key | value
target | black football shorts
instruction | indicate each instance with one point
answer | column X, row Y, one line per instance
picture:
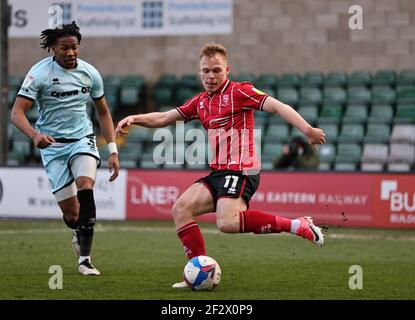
column 231, row 184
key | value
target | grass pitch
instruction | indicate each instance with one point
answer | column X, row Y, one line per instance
column 139, row 260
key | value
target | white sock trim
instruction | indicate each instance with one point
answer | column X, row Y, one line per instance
column 82, row 258
column 294, row 225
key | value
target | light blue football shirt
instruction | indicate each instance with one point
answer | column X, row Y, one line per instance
column 61, row 96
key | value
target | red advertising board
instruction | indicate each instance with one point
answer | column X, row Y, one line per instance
column 394, row 201
column 336, row 199
column 152, row 193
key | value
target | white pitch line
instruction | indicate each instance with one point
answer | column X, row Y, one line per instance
column 113, row 228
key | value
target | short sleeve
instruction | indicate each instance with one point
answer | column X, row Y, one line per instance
column 97, row 89
column 189, row 109
column 31, row 85
column 250, row 97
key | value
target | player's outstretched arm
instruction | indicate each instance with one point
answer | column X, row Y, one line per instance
column 107, row 128
column 149, row 120
column 19, row 119
column 314, row 135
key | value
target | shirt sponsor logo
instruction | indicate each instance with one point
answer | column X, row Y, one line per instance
column 58, row 94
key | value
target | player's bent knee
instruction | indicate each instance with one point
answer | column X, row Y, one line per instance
column 84, row 183
column 70, row 208
column 175, row 210
column 227, row 222
column 227, row 226
column 71, row 220
column 182, row 214
column 179, row 209
column 71, row 213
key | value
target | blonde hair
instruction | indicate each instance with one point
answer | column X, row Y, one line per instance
column 211, row 49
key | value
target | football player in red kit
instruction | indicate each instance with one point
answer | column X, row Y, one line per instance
column 226, row 111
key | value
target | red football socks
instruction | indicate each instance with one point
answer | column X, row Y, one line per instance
column 249, row 221
column 192, row 239
column 261, row 222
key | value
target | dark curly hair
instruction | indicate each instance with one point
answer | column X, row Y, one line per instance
column 49, row 36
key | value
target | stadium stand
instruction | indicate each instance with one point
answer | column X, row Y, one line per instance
column 374, row 157
column 360, row 95
column 380, row 114
column 405, row 114
column 406, row 77
column 401, row 153
column 384, row 78
column 312, row 80
column 335, row 79
column 277, row 133
column 331, row 130
column 289, row 80
column 310, row 95
column 248, row 77
column 405, row 94
column 348, row 153
column 267, row 81
column 355, row 114
column 309, row 113
column 335, row 95
column 369, row 119
column 360, row 79
column 377, row 133
column 351, row 133
column 331, row 113
column 403, row 134
column 288, row 95
column 327, row 153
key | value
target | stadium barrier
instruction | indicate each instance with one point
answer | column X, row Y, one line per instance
column 382, row 200
column 346, row 199
column 25, row 193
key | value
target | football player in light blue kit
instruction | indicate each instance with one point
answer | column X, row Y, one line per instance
column 60, row 86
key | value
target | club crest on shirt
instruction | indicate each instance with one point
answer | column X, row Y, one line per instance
column 28, row 81
column 225, row 99
column 86, row 80
column 201, row 106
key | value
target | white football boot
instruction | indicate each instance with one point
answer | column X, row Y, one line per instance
column 310, row 231
column 86, row 268
column 180, row 285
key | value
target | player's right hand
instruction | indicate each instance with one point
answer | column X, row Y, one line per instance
column 42, row 141
column 113, row 166
column 315, row 136
column 124, row 123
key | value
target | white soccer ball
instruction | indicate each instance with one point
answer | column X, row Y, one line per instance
column 202, row 273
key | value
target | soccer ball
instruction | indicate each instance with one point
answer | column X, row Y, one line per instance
column 202, row 273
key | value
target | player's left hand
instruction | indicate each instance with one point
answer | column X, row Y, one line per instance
column 315, row 136
column 114, row 166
